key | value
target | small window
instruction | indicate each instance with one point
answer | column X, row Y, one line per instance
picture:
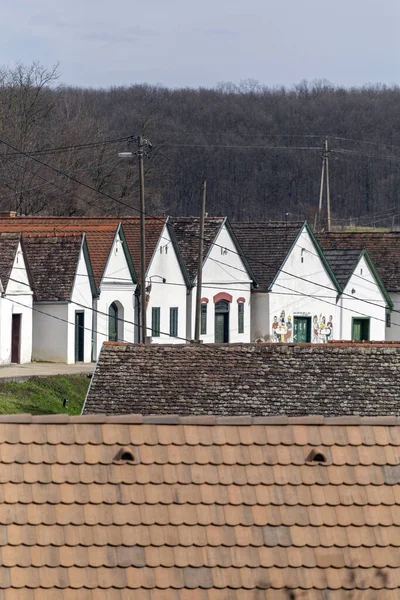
column 388, row 319
column 302, row 255
column 173, row 322
column 224, row 251
column 361, row 271
column 203, row 323
column 155, row 321
column 241, row 317
column 360, row 330
column 164, row 249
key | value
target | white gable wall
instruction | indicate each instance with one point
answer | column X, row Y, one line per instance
column 302, row 289
column 366, row 301
column 224, row 271
column 81, row 301
column 171, row 294
column 17, row 300
column 393, row 332
column 116, row 286
column 50, row 331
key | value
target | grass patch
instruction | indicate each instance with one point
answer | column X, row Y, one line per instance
column 44, row 395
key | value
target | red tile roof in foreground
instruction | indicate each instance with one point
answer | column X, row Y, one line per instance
column 203, row 508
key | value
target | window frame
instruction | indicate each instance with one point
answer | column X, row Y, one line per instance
column 173, row 321
column 240, row 317
column 155, row 321
column 203, row 318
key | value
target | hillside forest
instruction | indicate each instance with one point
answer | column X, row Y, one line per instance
column 258, row 148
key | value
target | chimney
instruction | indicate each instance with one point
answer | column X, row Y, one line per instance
column 5, row 214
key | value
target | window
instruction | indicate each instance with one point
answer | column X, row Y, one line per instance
column 173, row 322
column 240, row 317
column 155, row 321
column 203, row 322
column 113, row 323
column 360, row 330
column 388, row 319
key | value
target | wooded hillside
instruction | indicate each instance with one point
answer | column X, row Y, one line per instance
column 259, row 148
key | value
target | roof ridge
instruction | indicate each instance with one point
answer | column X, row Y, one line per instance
column 245, row 420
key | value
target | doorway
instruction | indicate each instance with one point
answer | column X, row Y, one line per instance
column 79, row 336
column 302, row 330
column 221, row 322
column 16, row 338
column 360, row 330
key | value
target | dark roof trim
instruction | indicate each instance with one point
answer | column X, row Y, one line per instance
column 377, row 278
column 179, row 256
column 320, row 253
column 127, row 253
column 86, row 255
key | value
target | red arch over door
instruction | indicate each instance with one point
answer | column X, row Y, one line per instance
column 222, row 296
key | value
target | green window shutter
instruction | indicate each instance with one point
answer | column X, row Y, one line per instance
column 173, row 322
column 155, row 321
column 241, row 317
column 203, row 322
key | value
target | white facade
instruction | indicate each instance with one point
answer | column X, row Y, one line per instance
column 392, row 333
column 225, row 277
column 54, row 323
column 303, row 291
column 166, row 292
column 362, row 298
column 117, row 287
column 16, row 300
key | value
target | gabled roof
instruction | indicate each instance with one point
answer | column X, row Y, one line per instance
column 52, row 263
column 265, row 246
column 344, row 262
column 207, row 509
column 247, row 379
column 153, row 230
column 187, row 231
column 8, row 249
column 383, row 249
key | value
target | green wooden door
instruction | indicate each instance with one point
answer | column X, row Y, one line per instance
column 79, row 335
column 360, row 331
column 219, row 328
column 302, row 330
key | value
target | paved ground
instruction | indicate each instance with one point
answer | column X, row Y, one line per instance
column 42, row 369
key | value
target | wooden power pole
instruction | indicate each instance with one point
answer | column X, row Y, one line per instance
column 324, row 179
column 328, row 196
column 200, row 265
column 142, row 242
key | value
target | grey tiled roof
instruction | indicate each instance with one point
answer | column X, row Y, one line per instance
column 343, row 263
column 248, row 379
column 8, row 249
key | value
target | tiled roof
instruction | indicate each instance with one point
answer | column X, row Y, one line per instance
column 187, row 231
column 383, row 248
column 100, row 233
column 153, row 229
column 265, row 246
column 248, row 379
column 343, row 262
column 52, row 263
column 207, row 509
column 8, row 249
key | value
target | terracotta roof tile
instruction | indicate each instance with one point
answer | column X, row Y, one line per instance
column 8, row 250
column 235, row 511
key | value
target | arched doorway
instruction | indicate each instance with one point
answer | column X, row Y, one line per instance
column 221, row 322
column 116, row 322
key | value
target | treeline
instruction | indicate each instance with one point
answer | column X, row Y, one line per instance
column 259, row 148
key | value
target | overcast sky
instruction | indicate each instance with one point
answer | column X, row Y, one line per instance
column 195, row 43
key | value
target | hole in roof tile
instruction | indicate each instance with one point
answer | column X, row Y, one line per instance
column 124, row 455
column 316, row 456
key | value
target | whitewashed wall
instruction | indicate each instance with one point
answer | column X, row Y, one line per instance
column 172, row 293
column 17, row 300
column 116, row 286
column 260, row 316
column 50, row 332
column 224, row 271
column 392, row 333
column 303, row 289
column 366, row 301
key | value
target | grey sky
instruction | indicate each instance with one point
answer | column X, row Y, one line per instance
column 200, row 43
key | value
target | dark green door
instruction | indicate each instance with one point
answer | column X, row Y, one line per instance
column 79, row 335
column 302, row 330
column 360, row 331
column 221, row 322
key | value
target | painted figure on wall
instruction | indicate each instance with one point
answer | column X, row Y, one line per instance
column 322, row 330
column 282, row 329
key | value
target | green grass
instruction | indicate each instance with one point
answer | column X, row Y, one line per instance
column 44, row 395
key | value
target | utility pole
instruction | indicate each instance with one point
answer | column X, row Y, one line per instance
column 200, row 265
column 321, row 190
column 328, row 196
column 142, row 242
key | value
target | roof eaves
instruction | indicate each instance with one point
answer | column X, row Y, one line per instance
column 109, row 254
column 86, row 255
column 127, row 253
column 378, row 280
column 286, row 257
column 178, row 253
column 322, row 257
